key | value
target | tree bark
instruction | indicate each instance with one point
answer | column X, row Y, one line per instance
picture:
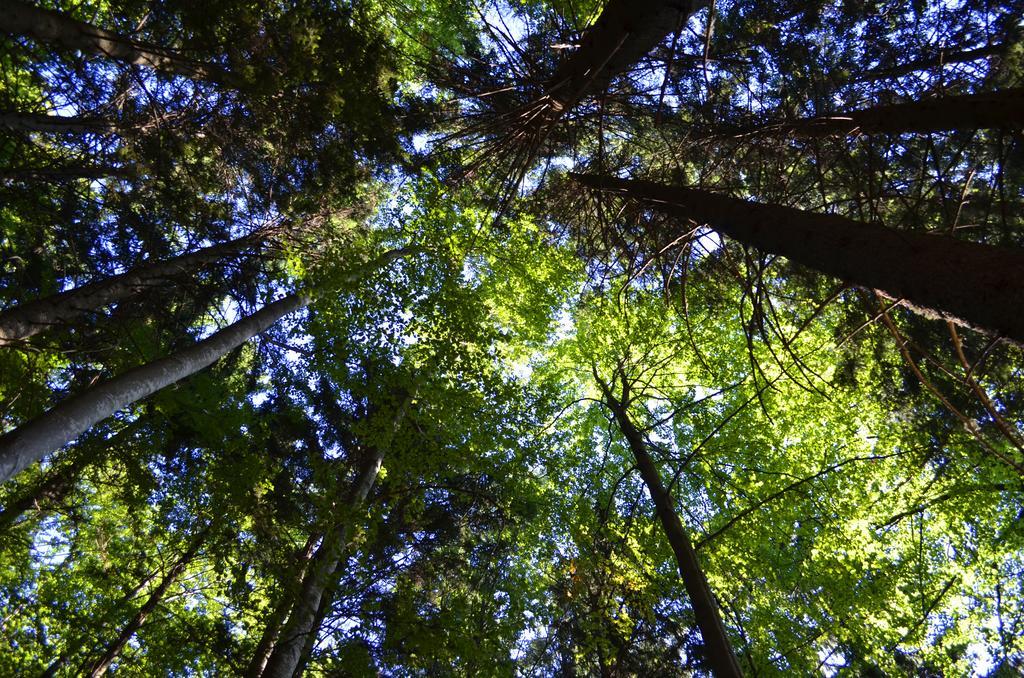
column 65, row 421
column 288, row 653
column 1002, row 109
column 75, row 646
column 60, row 30
column 100, row 666
column 278, row 617
column 624, row 33
column 981, row 286
column 719, row 650
column 25, row 320
column 41, row 122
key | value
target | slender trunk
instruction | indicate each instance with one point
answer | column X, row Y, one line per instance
column 100, row 666
column 623, row 34
column 1002, row 109
column 942, row 58
column 328, row 596
column 74, row 647
column 41, row 122
column 981, row 286
column 60, row 30
column 716, row 641
column 278, row 617
column 25, row 320
column 288, row 653
column 65, row 421
column 321, row 613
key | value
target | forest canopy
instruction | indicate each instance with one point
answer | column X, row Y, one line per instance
column 488, row 338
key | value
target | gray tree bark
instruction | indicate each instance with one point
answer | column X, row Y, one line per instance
column 25, row 320
column 279, row 615
column 64, row 422
column 288, row 653
column 980, row 286
column 720, row 654
column 62, row 31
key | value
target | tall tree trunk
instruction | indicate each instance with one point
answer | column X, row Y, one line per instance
column 623, row 34
column 60, row 30
column 65, row 421
column 25, row 320
column 1002, row 109
column 101, row 664
column 74, row 647
column 716, row 641
column 288, row 653
column 279, row 615
column 41, row 122
column 981, row 286
column 321, row 613
column 942, row 58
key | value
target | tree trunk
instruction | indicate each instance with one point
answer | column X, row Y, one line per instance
column 279, row 615
column 74, row 647
column 1002, row 109
column 65, row 421
column 288, row 653
column 321, row 613
column 925, row 63
column 719, row 650
column 100, row 666
column 41, row 122
column 60, row 30
column 981, row 286
column 25, row 320
column 623, row 34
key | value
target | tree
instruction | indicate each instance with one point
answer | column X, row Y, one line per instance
column 62, row 424
column 937, row 276
column 554, row 429
column 622, row 35
column 102, row 663
column 986, row 110
column 65, row 32
column 23, row 321
column 303, row 622
column 718, row 646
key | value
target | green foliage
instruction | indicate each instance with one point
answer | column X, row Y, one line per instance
column 849, row 472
